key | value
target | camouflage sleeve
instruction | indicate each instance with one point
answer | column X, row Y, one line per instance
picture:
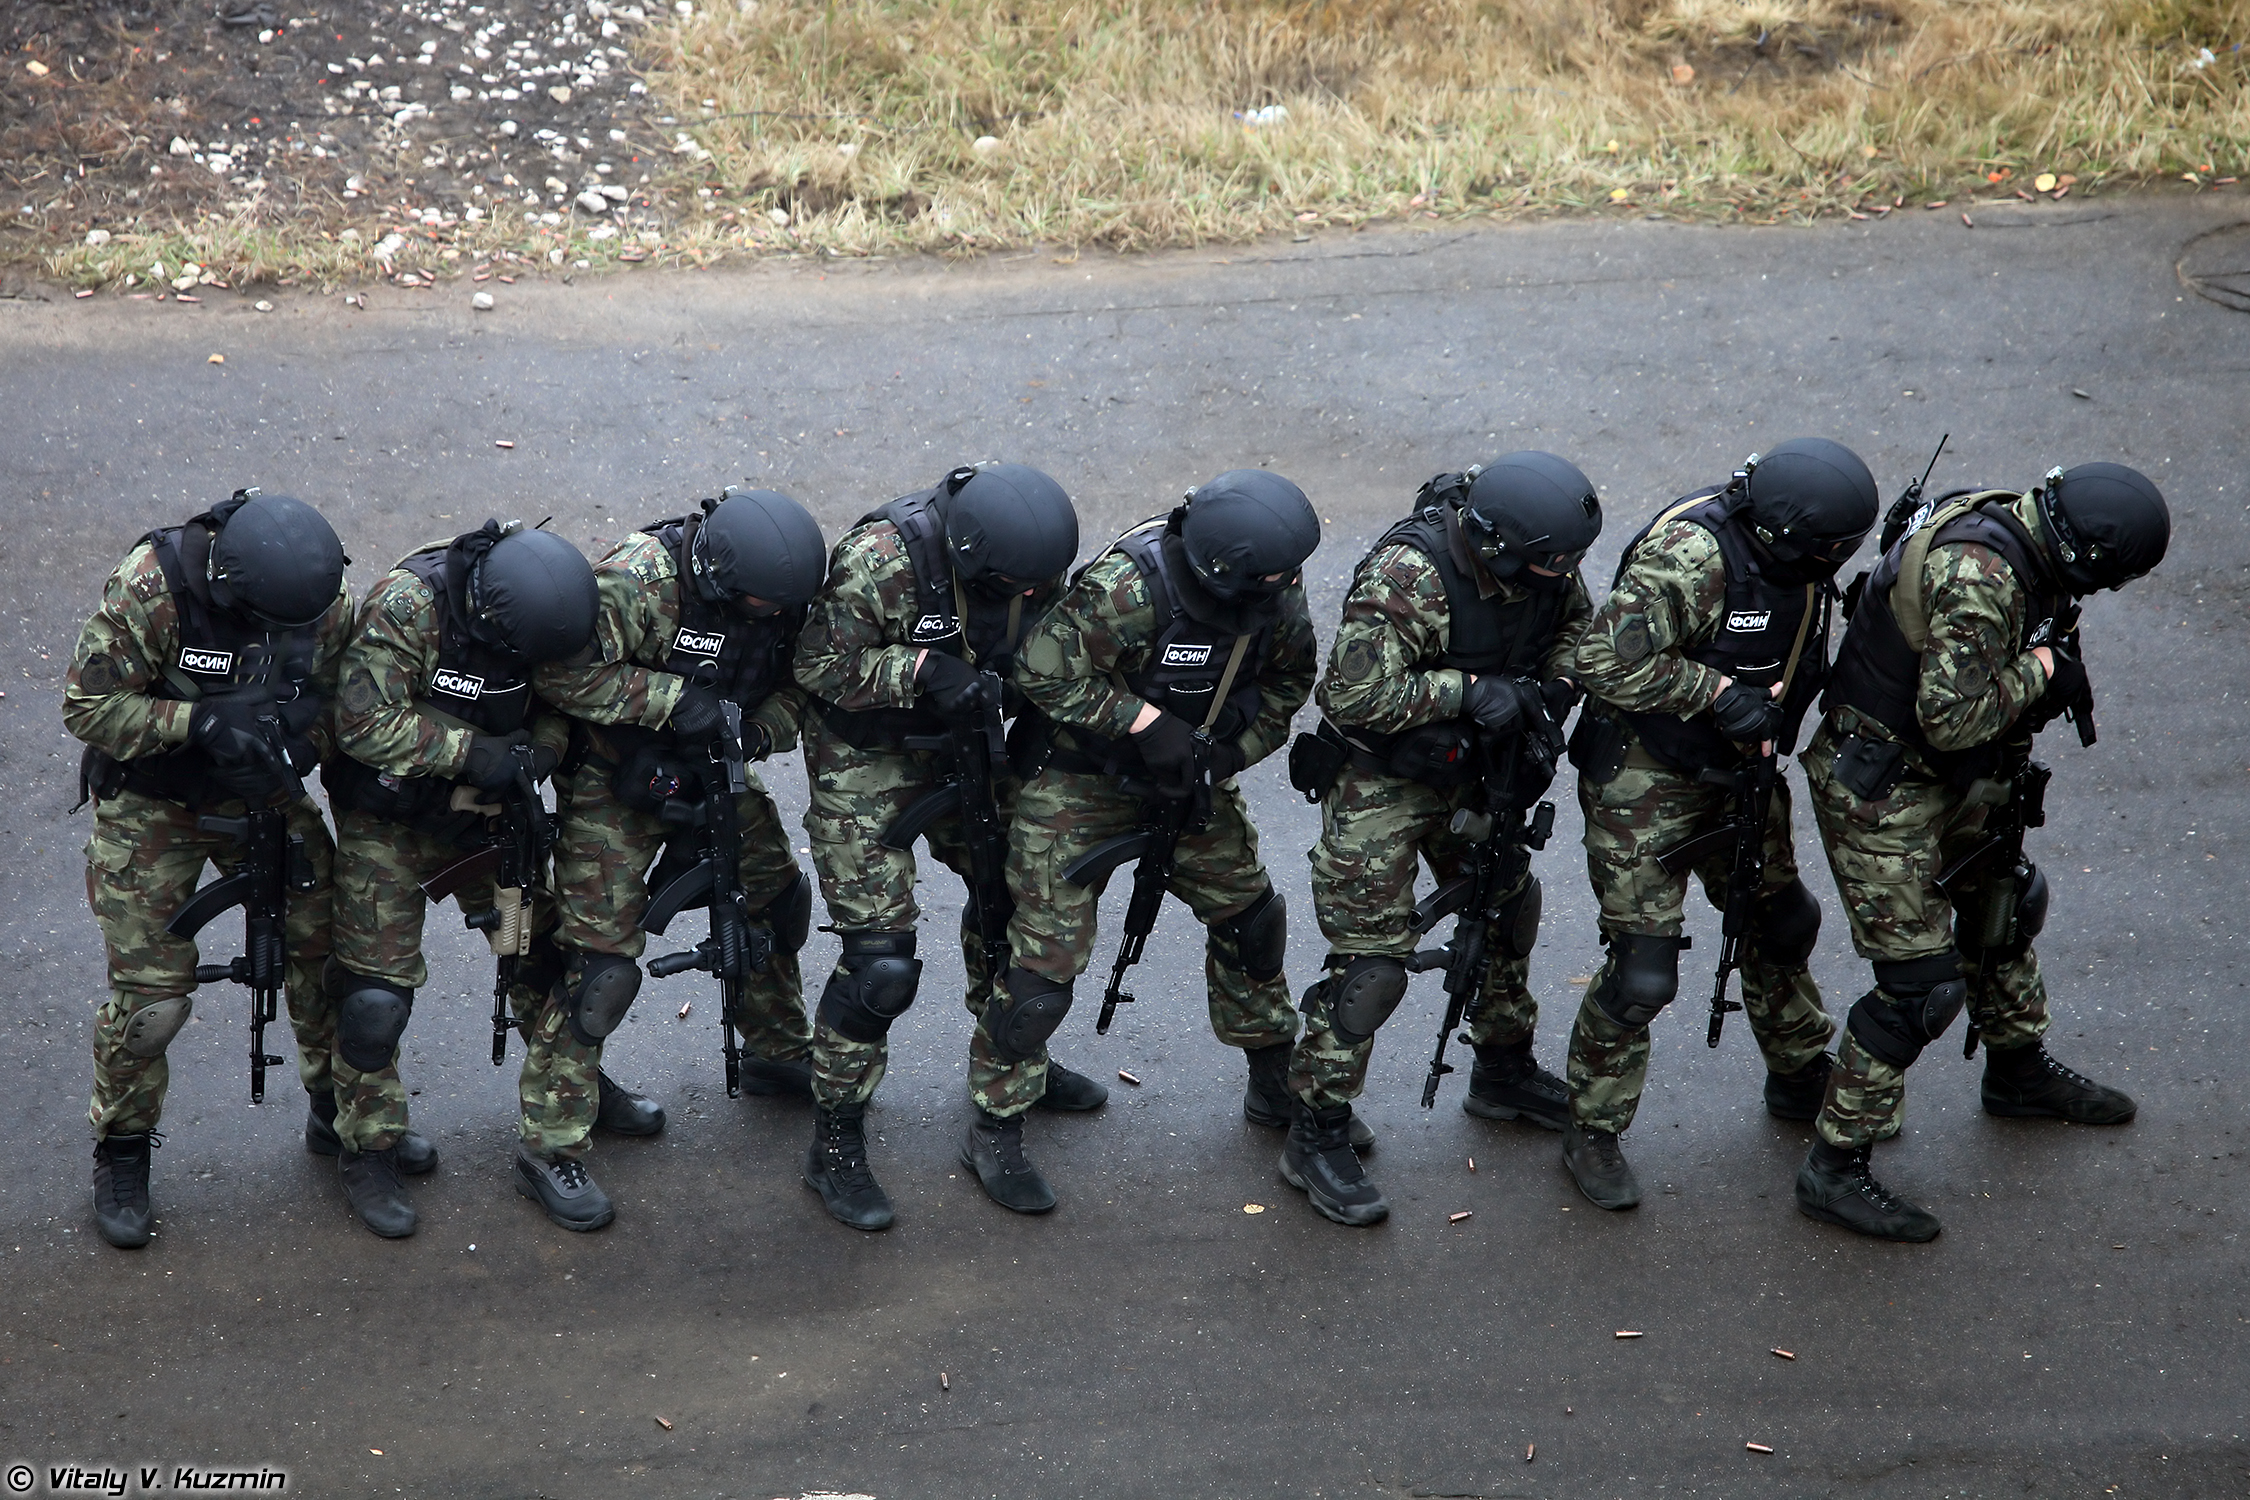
column 1673, row 595
column 1286, row 681
column 1394, row 617
column 639, row 603
column 391, row 655
column 783, row 715
column 108, row 694
column 853, row 652
column 1100, row 624
column 1973, row 683
column 330, row 636
column 1570, row 630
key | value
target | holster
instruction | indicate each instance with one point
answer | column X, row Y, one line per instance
column 1315, row 761
column 1597, row 747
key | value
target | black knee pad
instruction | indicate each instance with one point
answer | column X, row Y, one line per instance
column 370, row 1021
column 1913, row 1003
column 1258, row 935
column 1359, row 997
column 600, row 993
column 2031, row 911
column 1641, row 978
column 871, row 986
column 1785, row 926
column 788, row 916
column 1027, row 1010
column 541, row 969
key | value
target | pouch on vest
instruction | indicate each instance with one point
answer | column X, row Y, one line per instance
column 1315, row 760
column 355, row 786
column 1869, row 768
column 1597, row 748
column 1440, row 756
column 652, row 776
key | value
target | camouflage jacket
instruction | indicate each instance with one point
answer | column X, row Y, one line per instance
column 110, row 697
column 1672, row 596
column 1103, row 627
column 1974, row 683
column 640, row 614
column 1382, row 669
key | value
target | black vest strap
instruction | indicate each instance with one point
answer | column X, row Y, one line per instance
column 483, row 686
column 714, row 647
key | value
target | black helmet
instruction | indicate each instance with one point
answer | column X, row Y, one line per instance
column 2108, row 524
column 761, row 543
column 1243, row 527
column 530, row 592
column 1534, row 508
column 1008, row 521
column 274, row 560
column 1811, row 501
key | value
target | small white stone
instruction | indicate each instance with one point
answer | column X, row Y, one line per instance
column 482, row 301
column 593, row 202
column 985, row 145
column 507, row 127
column 848, row 150
column 97, row 236
column 616, row 192
column 263, row 306
column 554, row 257
column 181, row 148
column 778, row 215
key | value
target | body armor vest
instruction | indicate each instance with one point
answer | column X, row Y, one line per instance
column 715, row 647
column 1766, row 624
column 1878, row 670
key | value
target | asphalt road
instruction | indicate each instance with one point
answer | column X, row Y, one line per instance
column 2078, row 1330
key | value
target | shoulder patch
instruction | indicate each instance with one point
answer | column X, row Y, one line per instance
column 146, row 582
column 404, row 597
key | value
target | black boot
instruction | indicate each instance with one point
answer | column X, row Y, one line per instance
column 1318, row 1159
column 2025, row 1081
column 1507, row 1083
column 1268, row 1102
column 121, row 1210
column 836, row 1168
column 1597, row 1164
column 371, row 1182
column 414, row 1154
column 625, row 1113
column 565, row 1189
column 1071, row 1092
column 1798, row 1095
column 1836, row 1186
column 993, row 1149
column 764, row 1077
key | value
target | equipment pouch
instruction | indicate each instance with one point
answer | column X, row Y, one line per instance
column 1315, row 760
column 1440, row 756
column 1869, row 768
column 355, row 786
column 1031, row 740
column 653, row 775
column 1597, row 748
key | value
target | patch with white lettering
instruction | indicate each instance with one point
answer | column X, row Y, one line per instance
column 457, row 684
column 1187, row 656
column 203, row 661
column 1749, row 621
column 699, row 642
column 933, row 628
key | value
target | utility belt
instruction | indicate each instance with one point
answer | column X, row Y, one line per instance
column 1872, row 766
column 1440, row 756
column 649, row 770
column 178, row 776
column 431, row 805
column 1031, row 745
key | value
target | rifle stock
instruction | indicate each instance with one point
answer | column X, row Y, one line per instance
column 1091, row 870
column 442, row 885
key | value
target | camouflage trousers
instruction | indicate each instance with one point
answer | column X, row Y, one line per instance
column 1375, row 832
column 602, row 857
column 143, row 861
column 380, row 908
column 1629, row 822
column 1886, row 857
column 869, row 888
column 1060, row 816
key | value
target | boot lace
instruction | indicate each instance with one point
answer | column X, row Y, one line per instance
column 569, row 1174
column 124, row 1176
column 1862, row 1173
column 1006, row 1137
column 2056, row 1072
column 1607, row 1153
column 843, row 1153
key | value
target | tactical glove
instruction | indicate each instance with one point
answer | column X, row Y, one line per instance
column 543, row 763
column 950, row 683
column 1227, row 761
column 757, row 740
column 1501, row 704
column 2066, row 686
column 298, row 716
column 492, row 760
column 1747, row 715
column 697, row 718
column 1167, row 747
column 227, row 730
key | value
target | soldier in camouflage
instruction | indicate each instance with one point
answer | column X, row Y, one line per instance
column 1174, row 660
column 1448, row 669
column 438, row 724
column 200, row 688
column 1712, row 645
column 925, row 597
column 1963, row 644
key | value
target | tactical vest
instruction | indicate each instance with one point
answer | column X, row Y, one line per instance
column 947, row 618
column 1770, row 631
column 715, row 647
column 1200, row 642
column 1878, row 670
column 217, row 652
column 1496, row 634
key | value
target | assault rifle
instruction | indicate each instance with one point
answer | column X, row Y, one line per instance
column 974, row 744
column 514, row 857
column 1502, row 837
column 735, row 948
column 1154, row 846
column 274, row 866
column 1745, row 831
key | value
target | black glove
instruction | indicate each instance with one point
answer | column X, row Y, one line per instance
column 298, row 716
column 1167, row 748
column 2066, row 685
column 1561, row 697
column 757, row 740
column 1227, row 761
column 227, row 730
column 543, row 763
column 950, row 683
column 696, row 719
column 492, row 760
column 1747, row 715
column 1501, row 704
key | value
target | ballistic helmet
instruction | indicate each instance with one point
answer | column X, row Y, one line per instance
column 1008, row 521
column 2107, row 524
column 1243, row 527
column 1531, row 508
column 757, row 542
column 530, row 592
column 274, row 560
column 1811, row 501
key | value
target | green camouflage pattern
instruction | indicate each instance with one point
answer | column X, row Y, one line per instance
column 145, row 859
column 1671, row 598
column 558, row 1089
column 1629, row 822
column 1974, row 683
column 382, row 720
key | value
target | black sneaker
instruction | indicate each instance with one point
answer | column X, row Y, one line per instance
column 836, row 1168
column 565, row 1189
column 765, row 1076
column 1268, row 1102
column 1507, row 1083
column 121, row 1210
column 1836, row 1186
column 1597, row 1164
column 1318, row 1159
column 623, row 1112
column 1071, row 1092
column 993, row 1149
column 370, row 1180
column 2024, row 1081
column 414, row 1154
column 1798, row 1095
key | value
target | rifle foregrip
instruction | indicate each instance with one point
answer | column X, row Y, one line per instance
column 675, row 963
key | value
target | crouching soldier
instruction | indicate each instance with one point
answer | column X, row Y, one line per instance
column 200, row 689
column 444, row 745
column 1444, row 695
column 1174, row 660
